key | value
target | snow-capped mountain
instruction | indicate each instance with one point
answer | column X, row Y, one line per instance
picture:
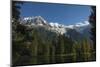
column 37, row 20
column 54, row 27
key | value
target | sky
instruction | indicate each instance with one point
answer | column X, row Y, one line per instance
column 60, row 13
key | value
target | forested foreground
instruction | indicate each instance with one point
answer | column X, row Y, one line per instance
column 39, row 46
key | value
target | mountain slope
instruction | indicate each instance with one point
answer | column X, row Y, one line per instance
column 75, row 31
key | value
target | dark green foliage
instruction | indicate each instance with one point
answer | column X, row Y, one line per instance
column 16, row 10
column 40, row 46
column 92, row 21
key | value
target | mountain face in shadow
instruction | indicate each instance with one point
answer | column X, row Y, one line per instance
column 73, row 34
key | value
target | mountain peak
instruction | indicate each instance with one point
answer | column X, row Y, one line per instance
column 34, row 20
column 55, row 27
column 39, row 20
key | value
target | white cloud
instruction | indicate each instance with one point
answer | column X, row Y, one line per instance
column 86, row 22
column 81, row 24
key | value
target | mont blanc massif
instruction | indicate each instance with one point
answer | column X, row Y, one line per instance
column 75, row 32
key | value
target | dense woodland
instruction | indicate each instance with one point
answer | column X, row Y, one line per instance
column 40, row 46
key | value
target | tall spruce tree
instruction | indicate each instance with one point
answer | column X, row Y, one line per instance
column 16, row 9
column 92, row 21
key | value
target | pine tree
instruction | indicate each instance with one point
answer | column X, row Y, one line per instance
column 16, row 10
column 92, row 21
column 74, row 53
